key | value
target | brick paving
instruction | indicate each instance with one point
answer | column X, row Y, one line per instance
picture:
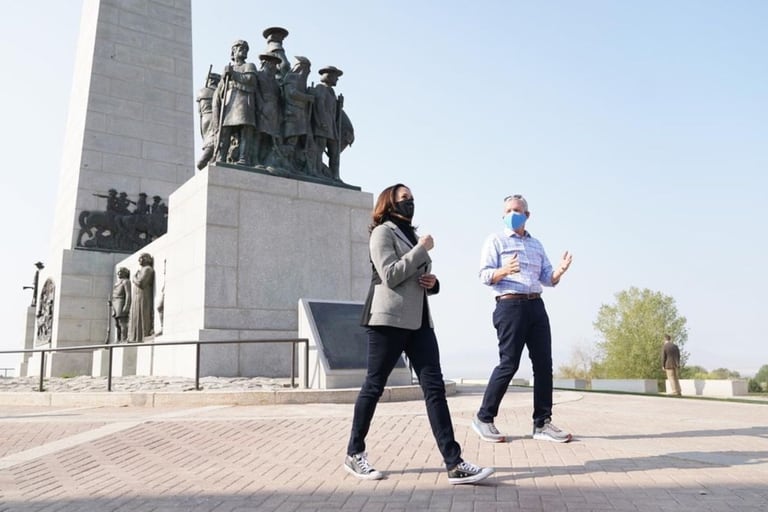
column 631, row 453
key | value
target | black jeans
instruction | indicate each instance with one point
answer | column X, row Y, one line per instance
column 521, row 323
column 385, row 344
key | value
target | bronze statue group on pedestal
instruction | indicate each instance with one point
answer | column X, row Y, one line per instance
column 269, row 118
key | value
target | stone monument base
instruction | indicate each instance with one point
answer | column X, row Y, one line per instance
column 241, row 249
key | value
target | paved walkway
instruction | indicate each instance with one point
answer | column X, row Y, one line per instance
column 631, row 453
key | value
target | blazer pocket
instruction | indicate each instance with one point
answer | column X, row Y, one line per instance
column 386, row 300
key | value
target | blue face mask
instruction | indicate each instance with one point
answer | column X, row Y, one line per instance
column 514, row 220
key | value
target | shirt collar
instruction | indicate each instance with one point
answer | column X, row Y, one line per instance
column 508, row 232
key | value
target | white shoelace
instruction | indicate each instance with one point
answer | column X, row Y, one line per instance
column 469, row 467
column 362, row 463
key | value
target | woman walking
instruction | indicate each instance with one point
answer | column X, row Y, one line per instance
column 398, row 320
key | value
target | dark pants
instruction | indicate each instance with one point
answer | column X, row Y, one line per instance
column 521, row 323
column 385, row 344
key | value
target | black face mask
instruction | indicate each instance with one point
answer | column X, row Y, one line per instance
column 405, row 208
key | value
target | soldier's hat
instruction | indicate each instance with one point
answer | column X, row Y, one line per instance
column 275, row 33
column 241, row 42
column 301, row 59
column 269, row 56
column 331, row 70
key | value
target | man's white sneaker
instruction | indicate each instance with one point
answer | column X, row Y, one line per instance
column 488, row 431
column 549, row 432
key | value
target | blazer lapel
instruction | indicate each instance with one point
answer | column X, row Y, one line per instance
column 398, row 233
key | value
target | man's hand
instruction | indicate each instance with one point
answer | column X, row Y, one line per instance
column 511, row 265
column 565, row 263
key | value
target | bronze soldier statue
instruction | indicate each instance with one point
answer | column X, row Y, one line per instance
column 297, row 105
column 235, row 103
column 326, row 122
column 142, row 315
column 268, row 136
column 208, row 127
column 121, row 304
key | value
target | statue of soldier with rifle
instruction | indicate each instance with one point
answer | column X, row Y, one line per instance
column 208, row 125
column 297, row 112
column 325, row 123
column 235, row 103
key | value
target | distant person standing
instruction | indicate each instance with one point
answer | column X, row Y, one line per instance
column 670, row 362
column 515, row 266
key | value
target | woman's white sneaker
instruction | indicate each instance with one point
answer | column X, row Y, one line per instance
column 359, row 466
column 466, row 473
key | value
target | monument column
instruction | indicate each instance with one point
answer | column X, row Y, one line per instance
column 129, row 129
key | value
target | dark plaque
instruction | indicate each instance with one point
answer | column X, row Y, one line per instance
column 344, row 340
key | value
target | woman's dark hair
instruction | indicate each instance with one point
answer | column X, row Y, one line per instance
column 384, row 205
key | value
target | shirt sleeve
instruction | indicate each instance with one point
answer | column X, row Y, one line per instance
column 489, row 260
column 545, row 277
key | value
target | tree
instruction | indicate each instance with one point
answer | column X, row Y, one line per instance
column 723, row 373
column 762, row 374
column 759, row 383
column 694, row 372
column 580, row 366
column 633, row 332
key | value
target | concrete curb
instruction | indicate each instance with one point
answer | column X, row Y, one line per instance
column 204, row 398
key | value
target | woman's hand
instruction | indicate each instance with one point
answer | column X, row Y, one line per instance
column 427, row 281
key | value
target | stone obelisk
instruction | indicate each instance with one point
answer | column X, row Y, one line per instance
column 130, row 129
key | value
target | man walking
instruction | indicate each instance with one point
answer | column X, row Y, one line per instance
column 515, row 266
column 670, row 362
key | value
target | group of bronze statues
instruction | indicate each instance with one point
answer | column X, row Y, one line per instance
column 132, row 303
column 120, row 228
column 269, row 118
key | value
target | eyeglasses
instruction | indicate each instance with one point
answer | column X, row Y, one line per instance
column 514, row 196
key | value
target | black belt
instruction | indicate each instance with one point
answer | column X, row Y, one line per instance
column 518, row 296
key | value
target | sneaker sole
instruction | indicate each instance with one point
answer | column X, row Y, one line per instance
column 482, row 475
column 539, row 437
column 370, row 476
column 500, row 439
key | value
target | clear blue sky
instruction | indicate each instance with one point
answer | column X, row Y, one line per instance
column 638, row 131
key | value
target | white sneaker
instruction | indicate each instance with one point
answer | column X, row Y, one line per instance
column 549, row 432
column 466, row 473
column 359, row 466
column 488, row 431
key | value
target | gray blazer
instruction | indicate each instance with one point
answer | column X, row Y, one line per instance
column 397, row 301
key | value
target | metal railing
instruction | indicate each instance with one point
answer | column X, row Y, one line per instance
column 110, row 348
column 5, row 371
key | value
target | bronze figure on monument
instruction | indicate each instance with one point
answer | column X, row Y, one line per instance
column 235, row 103
column 120, row 303
column 142, row 312
column 270, row 120
column 207, row 118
